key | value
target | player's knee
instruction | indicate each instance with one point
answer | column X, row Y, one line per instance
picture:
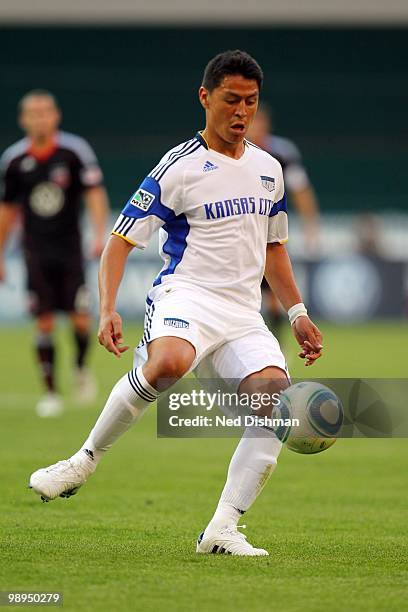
column 81, row 322
column 45, row 324
column 168, row 366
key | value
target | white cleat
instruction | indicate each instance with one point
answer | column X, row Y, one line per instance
column 62, row 479
column 228, row 541
column 86, row 388
column 50, row 405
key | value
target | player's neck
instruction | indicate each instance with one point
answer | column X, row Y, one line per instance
column 42, row 143
column 43, row 147
column 214, row 142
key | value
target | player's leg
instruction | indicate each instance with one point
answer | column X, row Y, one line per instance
column 251, row 466
column 85, row 383
column 81, row 325
column 255, row 457
column 75, row 300
column 41, row 293
column 50, row 404
column 169, row 358
column 171, row 351
column 45, row 349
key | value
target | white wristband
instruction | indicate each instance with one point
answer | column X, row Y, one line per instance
column 298, row 310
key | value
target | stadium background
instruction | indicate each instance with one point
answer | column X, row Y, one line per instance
column 335, row 74
column 340, row 93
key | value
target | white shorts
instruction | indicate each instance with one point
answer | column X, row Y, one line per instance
column 230, row 341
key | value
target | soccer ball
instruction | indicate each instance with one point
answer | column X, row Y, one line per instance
column 320, row 415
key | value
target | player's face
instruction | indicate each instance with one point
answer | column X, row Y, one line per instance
column 39, row 117
column 230, row 107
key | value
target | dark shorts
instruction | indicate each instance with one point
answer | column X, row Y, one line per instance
column 54, row 285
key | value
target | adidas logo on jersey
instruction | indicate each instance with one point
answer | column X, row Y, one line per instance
column 209, row 166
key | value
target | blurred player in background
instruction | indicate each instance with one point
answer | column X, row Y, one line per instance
column 301, row 194
column 220, row 205
column 45, row 176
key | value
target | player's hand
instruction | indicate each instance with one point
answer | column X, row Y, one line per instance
column 310, row 339
column 110, row 333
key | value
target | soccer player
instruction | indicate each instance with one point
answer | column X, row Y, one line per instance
column 45, row 175
column 300, row 191
column 220, row 205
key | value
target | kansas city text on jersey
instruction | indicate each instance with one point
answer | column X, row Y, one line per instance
column 239, row 206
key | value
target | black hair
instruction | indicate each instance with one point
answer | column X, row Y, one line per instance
column 231, row 63
column 36, row 93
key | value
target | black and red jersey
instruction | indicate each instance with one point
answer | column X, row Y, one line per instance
column 49, row 189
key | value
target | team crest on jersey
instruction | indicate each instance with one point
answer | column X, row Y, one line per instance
column 268, row 182
column 60, row 175
column 46, row 199
column 142, row 199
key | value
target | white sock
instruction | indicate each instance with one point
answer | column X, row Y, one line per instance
column 127, row 402
column 252, row 464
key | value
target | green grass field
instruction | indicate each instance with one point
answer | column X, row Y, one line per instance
column 335, row 523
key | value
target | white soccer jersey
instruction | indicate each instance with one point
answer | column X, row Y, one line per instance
column 216, row 215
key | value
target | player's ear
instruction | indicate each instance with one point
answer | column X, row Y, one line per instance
column 203, row 95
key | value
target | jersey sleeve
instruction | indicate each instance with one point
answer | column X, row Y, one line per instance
column 89, row 171
column 278, row 217
column 9, row 190
column 296, row 177
column 155, row 204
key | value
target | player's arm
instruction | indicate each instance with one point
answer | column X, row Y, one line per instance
column 279, row 275
column 96, row 201
column 90, row 178
column 8, row 216
column 111, row 270
column 8, row 208
column 144, row 213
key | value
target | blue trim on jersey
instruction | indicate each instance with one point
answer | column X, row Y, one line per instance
column 175, row 245
column 156, row 208
column 176, row 226
column 280, row 206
